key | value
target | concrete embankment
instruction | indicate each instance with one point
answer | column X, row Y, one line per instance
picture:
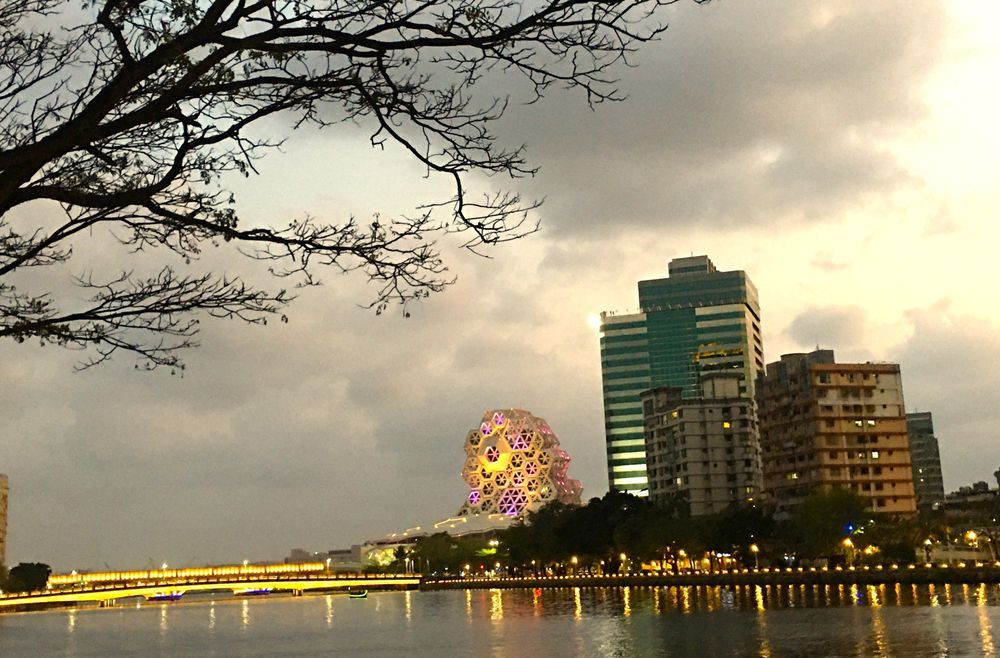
column 918, row 575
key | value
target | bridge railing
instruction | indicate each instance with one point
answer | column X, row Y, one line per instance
column 102, row 586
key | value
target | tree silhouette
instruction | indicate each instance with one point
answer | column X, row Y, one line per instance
column 131, row 118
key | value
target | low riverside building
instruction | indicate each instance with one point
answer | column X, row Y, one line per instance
column 337, row 559
column 825, row 425
column 928, row 483
column 706, row 448
column 974, row 503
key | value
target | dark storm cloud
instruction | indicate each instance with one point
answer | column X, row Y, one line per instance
column 745, row 113
column 949, row 368
column 837, row 327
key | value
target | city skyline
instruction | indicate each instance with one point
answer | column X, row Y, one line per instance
column 863, row 225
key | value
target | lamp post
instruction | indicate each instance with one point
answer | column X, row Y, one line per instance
column 849, row 549
column 755, row 549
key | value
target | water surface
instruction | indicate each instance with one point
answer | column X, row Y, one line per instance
column 957, row 620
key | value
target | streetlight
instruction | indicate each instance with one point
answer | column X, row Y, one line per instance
column 849, row 546
column 755, row 549
column 971, row 536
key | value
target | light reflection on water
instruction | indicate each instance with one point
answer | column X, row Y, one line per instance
column 868, row 620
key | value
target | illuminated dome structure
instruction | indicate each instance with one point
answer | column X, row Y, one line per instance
column 513, row 464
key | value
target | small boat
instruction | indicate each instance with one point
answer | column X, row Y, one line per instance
column 165, row 596
column 253, row 591
column 357, row 594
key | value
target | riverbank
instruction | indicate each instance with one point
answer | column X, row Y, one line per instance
column 916, row 575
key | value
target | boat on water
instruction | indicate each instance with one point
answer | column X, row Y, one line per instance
column 253, row 591
column 357, row 593
column 165, row 596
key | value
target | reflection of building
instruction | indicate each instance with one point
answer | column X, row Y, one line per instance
column 825, row 425
column 927, row 481
column 705, row 448
column 696, row 321
column 4, row 489
column 513, row 464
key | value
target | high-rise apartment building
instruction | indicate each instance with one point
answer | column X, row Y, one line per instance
column 4, row 489
column 825, row 424
column 927, row 481
column 706, row 448
column 696, row 321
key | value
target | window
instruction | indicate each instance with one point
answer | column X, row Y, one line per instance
column 874, row 454
column 726, row 425
column 871, row 423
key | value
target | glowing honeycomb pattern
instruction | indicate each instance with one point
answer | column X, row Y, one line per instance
column 514, row 464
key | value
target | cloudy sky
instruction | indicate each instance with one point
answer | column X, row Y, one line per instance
column 843, row 154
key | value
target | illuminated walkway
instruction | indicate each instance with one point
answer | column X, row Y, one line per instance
column 105, row 588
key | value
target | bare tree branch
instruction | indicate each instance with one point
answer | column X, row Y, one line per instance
column 129, row 120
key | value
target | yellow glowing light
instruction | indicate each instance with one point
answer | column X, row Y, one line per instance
column 754, row 548
column 971, row 535
column 847, row 543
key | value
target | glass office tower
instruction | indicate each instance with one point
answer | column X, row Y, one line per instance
column 696, row 321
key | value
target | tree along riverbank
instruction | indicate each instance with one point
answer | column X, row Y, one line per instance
column 917, row 575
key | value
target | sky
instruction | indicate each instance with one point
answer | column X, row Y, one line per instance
column 843, row 154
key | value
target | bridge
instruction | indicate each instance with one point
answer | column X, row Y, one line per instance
column 106, row 588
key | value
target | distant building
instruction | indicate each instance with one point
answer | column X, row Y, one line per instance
column 4, row 490
column 975, row 503
column 825, row 424
column 350, row 559
column 706, row 449
column 514, row 464
column 928, row 483
column 696, row 321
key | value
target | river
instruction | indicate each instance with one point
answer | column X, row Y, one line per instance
column 956, row 620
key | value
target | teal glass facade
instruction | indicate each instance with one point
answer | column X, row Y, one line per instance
column 625, row 368
column 696, row 321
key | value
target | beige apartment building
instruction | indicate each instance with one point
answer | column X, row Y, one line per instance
column 706, row 448
column 825, row 424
